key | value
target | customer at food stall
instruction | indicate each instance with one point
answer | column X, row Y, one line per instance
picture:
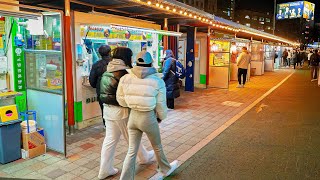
column 97, row 70
column 116, row 117
column 169, row 77
column 144, row 92
column 243, row 62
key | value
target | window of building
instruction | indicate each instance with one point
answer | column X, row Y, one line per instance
column 261, row 22
column 255, row 18
column 268, row 20
column 247, row 17
column 268, row 27
column 248, row 24
column 261, row 19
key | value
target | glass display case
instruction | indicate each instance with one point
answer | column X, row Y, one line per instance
column 219, row 63
column 257, row 52
column 219, row 53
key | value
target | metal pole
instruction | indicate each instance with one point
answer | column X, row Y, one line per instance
column 69, row 66
column 274, row 16
column 165, row 38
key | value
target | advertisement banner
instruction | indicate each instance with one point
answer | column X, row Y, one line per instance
column 308, row 11
column 298, row 9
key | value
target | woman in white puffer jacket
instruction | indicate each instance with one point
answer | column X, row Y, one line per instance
column 144, row 92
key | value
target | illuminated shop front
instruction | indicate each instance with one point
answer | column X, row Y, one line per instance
column 257, row 58
column 114, row 31
column 236, row 49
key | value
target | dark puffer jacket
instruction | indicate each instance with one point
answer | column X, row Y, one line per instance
column 97, row 71
column 110, row 80
column 172, row 82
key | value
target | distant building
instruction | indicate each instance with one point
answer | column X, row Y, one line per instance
column 256, row 20
column 222, row 8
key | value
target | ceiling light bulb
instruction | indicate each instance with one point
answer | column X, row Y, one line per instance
column 157, row 4
column 161, row 6
column 190, row 15
column 168, row 8
column 149, row 2
column 185, row 13
column 174, row 10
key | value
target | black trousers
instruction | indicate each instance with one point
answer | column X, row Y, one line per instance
column 101, row 107
column 242, row 72
column 170, row 103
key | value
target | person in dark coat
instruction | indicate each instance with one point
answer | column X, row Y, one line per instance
column 97, row 71
column 172, row 82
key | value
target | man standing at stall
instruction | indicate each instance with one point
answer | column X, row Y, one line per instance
column 97, row 71
column 243, row 62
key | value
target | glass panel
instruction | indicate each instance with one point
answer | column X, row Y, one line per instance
column 219, row 53
column 44, row 62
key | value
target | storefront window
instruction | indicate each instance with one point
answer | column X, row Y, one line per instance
column 257, row 51
column 219, row 53
column 44, row 63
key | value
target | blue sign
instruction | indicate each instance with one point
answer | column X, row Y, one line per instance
column 298, row 9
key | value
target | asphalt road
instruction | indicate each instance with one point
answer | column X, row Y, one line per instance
column 279, row 141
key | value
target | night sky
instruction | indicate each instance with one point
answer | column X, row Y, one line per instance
column 267, row 5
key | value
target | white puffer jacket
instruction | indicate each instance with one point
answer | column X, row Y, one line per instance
column 143, row 90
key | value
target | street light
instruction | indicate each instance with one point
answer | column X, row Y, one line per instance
column 274, row 16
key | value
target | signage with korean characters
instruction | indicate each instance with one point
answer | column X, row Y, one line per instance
column 31, row 69
column 19, row 69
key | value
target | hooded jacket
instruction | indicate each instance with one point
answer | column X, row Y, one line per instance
column 97, row 71
column 172, row 82
column 244, row 60
column 109, row 81
column 143, row 90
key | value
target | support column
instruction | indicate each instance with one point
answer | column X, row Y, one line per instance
column 190, row 59
column 165, row 38
column 208, row 56
column 69, row 66
column 173, row 41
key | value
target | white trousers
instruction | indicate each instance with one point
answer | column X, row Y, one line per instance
column 139, row 123
column 114, row 129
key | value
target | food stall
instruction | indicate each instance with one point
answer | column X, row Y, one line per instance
column 219, row 63
column 32, row 69
column 115, row 31
column 257, row 58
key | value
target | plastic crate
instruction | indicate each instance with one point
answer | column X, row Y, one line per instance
column 10, row 141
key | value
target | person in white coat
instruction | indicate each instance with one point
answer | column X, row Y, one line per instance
column 144, row 92
column 116, row 117
column 243, row 62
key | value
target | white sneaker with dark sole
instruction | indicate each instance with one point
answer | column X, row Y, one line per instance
column 151, row 158
column 104, row 176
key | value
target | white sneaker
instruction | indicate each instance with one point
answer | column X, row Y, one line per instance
column 174, row 166
column 112, row 173
column 239, row 86
column 242, row 85
column 313, row 80
column 151, row 158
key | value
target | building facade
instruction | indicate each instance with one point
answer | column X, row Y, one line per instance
column 256, row 20
column 222, row 8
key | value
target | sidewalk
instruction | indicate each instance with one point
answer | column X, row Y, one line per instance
column 277, row 139
column 196, row 116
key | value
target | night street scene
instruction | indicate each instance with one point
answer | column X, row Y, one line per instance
column 159, row 89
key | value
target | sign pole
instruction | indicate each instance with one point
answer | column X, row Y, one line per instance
column 274, row 16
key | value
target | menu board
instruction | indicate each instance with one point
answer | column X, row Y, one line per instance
column 219, row 53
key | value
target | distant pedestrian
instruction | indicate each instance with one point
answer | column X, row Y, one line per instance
column 309, row 56
column 314, row 65
column 285, row 57
column 97, row 70
column 295, row 58
column 144, row 92
column 116, row 117
column 169, row 77
column 289, row 59
column 243, row 62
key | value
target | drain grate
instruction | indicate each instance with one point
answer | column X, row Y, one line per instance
column 232, row 104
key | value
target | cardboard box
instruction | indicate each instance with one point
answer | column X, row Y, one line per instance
column 31, row 153
column 34, row 143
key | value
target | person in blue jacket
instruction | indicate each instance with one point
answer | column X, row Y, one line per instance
column 172, row 82
column 97, row 71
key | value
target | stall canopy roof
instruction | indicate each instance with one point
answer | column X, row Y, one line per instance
column 157, row 11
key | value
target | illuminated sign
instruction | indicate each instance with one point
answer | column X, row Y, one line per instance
column 298, row 9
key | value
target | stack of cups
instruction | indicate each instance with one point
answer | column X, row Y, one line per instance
column 32, row 126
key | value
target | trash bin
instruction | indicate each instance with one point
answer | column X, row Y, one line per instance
column 10, row 141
